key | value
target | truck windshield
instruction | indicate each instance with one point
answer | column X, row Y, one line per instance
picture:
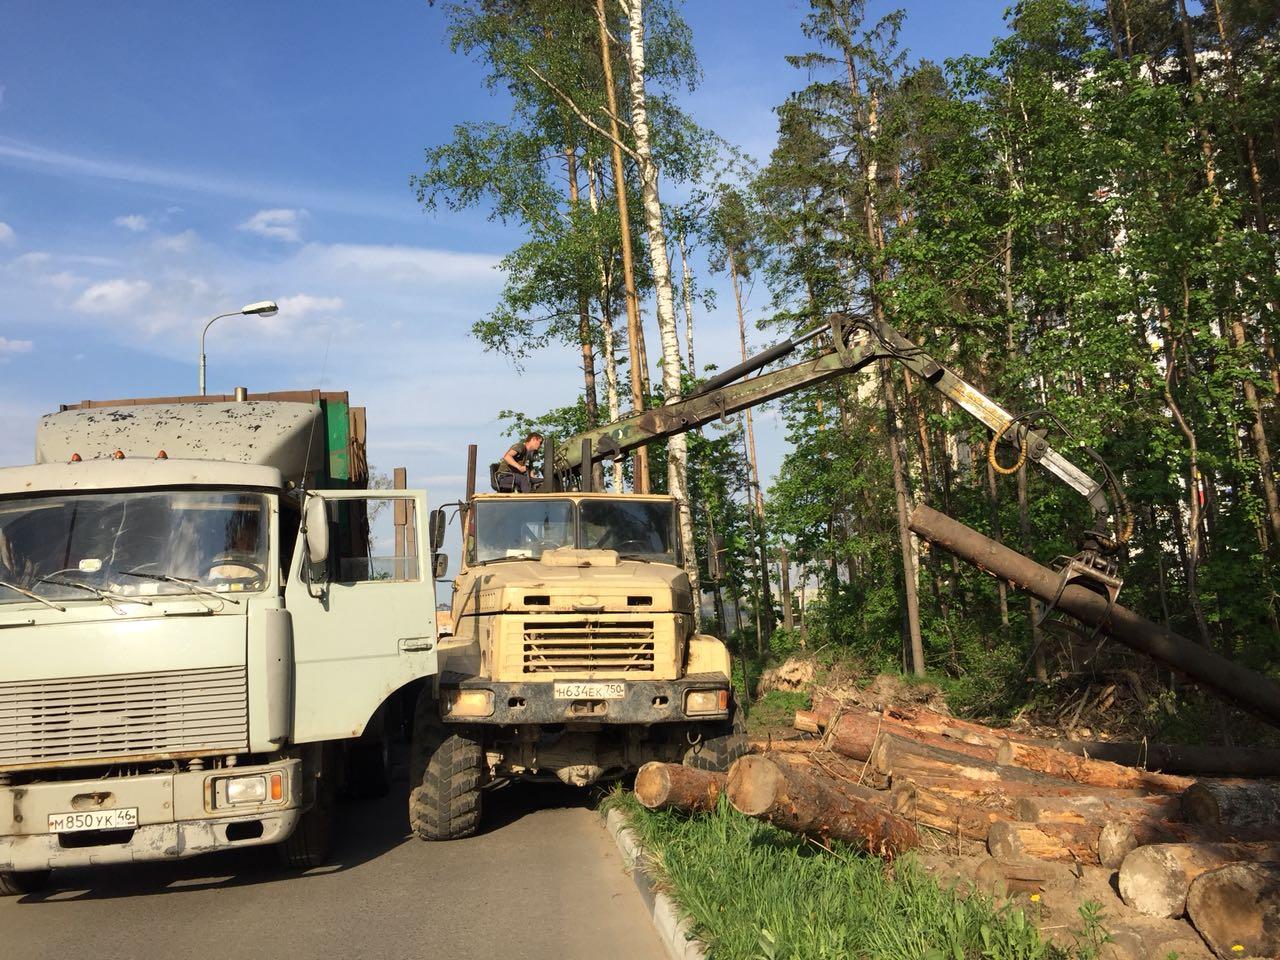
column 640, row 529
column 521, row 528
column 136, row 544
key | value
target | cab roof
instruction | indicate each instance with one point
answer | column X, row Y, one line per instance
column 577, row 495
column 123, row 475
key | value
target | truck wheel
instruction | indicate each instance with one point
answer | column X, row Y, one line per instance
column 445, row 768
column 308, row 845
column 16, row 883
column 368, row 772
column 724, row 745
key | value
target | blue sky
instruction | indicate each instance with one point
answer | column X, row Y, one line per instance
column 161, row 162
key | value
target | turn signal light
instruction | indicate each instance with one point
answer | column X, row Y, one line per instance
column 277, row 787
column 706, row 702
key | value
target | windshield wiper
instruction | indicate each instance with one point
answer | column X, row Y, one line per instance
column 34, row 596
column 181, row 581
column 106, row 595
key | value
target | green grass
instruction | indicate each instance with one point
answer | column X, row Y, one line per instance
column 757, row 893
column 776, row 710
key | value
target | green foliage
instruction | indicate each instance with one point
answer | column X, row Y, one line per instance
column 753, row 892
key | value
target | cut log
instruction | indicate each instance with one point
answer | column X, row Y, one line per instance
column 1154, row 879
column 1175, row 758
column 677, row 787
column 1082, row 807
column 1063, row 842
column 1098, row 773
column 947, row 814
column 1240, row 804
column 770, row 745
column 855, row 734
column 806, row 721
column 1236, row 908
column 897, row 756
column 796, row 799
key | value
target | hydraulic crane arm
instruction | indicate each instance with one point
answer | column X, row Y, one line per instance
column 857, row 342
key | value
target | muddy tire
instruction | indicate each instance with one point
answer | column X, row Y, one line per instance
column 308, row 846
column 445, row 769
column 717, row 751
column 16, row 883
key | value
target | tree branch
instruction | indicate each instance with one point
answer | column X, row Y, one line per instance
column 580, row 114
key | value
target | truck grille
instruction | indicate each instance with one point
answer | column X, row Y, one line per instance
column 127, row 715
column 594, row 646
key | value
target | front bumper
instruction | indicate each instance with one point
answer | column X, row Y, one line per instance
column 644, row 702
column 177, row 818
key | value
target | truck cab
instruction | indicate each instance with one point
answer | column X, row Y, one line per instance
column 574, row 654
column 203, row 635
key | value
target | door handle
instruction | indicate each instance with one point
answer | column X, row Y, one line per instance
column 415, row 644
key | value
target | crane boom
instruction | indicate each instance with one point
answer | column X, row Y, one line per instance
column 856, row 343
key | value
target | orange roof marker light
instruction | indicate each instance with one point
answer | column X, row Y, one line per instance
column 162, row 455
column 75, row 458
column 118, row 455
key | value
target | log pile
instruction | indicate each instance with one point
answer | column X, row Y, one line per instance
column 903, row 777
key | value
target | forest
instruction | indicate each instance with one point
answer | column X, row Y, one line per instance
column 1082, row 221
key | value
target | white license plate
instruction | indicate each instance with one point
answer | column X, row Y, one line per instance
column 125, row 818
column 590, row 691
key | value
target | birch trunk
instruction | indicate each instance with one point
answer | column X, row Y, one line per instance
column 686, row 290
column 635, row 332
column 677, row 444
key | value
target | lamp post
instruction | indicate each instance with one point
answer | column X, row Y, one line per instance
column 263, row 308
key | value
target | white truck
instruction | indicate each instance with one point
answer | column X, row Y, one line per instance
column 209, row 626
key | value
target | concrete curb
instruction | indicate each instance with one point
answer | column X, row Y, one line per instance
column 676, row 934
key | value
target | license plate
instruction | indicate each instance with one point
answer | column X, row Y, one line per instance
column 590, row 691
column 125, row 818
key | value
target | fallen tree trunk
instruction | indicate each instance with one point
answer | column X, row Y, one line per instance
column 1098, row 773
column 1154, row 879
column 677, row 787
column 797, row 800
column 1004, row 795
column 1236, row 908
column 769, row 745
column 806, row 721
column 1247, row 804
column 1228, row 679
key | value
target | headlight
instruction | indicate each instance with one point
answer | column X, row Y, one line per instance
column 255, row 788
column 468, row 703
column 706, row 701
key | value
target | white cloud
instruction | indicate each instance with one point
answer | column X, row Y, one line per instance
column 113, row 296
column 6, row 233
column 278, row 224
column 9, row 347
column 302, row 305
column 400, row 264
column 178, row 242
column 135, row 222
column 62, row 280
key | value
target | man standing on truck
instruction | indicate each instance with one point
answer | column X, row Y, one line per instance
column 513, row 471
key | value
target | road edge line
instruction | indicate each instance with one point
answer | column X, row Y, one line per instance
column 676, row 933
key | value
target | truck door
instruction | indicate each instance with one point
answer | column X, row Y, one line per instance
column 364, row 618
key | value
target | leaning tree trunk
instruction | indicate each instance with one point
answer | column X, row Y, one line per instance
column 610, row 361
column 660, row 265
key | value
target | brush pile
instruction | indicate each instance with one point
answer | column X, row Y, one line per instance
column 1177, row 831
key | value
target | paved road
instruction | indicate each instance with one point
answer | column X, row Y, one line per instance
column 543, row 880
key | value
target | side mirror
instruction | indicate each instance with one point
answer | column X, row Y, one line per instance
column 439, row 565
column 315, row 524
column 438, row 524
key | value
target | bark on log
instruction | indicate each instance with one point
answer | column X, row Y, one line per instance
column 769, row 745
column 1237, row 684
column 1099, row 773
column 1066, row 843
column 677, row 787
column 1003, row 877
column 798, row 800
column 1079, row 808
column 1154, row 879
column 952, row 817
column 1003, row 795
column 1236, row 908
column 1233, row 804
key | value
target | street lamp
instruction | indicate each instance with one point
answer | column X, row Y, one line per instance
column 263, row 308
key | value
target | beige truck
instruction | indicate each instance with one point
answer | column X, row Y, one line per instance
column 208, row 627
column 574, row 656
